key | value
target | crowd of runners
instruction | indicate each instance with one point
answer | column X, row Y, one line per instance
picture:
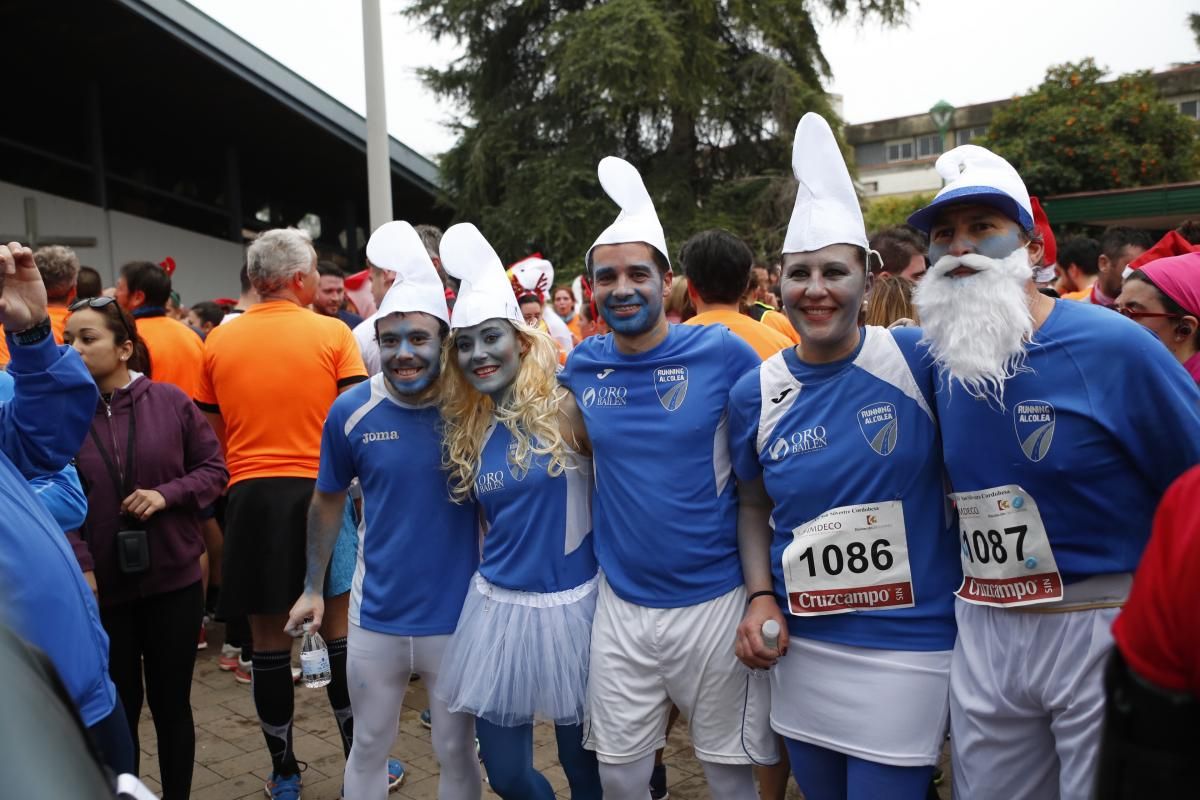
column 826, row 508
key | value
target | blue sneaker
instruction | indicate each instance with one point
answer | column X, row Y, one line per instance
column 284, row 788
column 427, row 720
column 395, row 774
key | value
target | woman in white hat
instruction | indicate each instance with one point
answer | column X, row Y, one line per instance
column 843, row 516
column 515, row 445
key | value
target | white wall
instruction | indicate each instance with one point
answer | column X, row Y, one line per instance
column 899, row 180
column 206, row 267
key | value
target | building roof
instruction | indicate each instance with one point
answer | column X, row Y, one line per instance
column 203, row 33
column 151, row 108
column 1180, row 79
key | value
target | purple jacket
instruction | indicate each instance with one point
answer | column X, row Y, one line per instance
column 176, row 454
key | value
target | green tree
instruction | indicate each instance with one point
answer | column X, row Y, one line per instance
column 1077, row 133
column 887, row 212
column 702, row 96
column 1194, row 24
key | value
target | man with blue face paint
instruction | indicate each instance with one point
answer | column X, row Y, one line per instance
column 653, row 399
column 1062, row 426
column 409, row 585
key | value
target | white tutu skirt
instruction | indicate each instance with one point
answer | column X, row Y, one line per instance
column 517, row 657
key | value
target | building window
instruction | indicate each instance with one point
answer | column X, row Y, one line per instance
column 929, row 146
column 967, row 134
column 1190, row 108
column 901, row 150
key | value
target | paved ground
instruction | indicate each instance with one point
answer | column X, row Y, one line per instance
column 232, row 762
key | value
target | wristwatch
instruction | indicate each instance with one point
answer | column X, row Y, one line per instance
column 34, row 334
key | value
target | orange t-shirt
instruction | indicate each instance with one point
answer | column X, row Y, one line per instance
column 766, row 341
column 273, row 377
column 176, row 352
column 58, row 323
column 1082, row 294
column 573, row 327
column 780, row 322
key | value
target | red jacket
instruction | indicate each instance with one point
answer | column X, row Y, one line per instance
column 1157, row 632
column 175, row 453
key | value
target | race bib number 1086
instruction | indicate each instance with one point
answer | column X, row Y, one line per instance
column 852, row 558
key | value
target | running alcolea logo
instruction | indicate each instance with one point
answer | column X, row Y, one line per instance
column 1033, row 421
column 880, row 426
column 670, row 384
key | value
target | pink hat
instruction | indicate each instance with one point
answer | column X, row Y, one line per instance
column 1178, row 277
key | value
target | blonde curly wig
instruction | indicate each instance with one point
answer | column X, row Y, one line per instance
column 531, row 413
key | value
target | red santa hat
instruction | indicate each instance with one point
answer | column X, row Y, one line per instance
column 1042, row 224
column 1170, row 245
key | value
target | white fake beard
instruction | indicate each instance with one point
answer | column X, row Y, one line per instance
column 977, row 326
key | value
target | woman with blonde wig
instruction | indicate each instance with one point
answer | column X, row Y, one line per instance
column 515, row 446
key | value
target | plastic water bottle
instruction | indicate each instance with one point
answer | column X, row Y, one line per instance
column 314, row 659
column 770, row 634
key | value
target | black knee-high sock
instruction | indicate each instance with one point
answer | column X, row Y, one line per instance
column 274, row 698
column 339, row 692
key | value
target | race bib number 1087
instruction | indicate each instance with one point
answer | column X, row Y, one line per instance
column 852, row 558
column 1006, row 555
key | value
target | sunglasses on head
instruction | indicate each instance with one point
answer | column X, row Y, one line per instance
column 99, row 303
column 91, row 302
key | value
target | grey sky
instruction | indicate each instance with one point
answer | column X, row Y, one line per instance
column 963, row 51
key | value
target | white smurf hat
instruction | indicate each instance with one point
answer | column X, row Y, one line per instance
column 638, row 221
column 827, row 210
column 974, row 174
column 534, row 275
column 485, row 292
column 397, row 247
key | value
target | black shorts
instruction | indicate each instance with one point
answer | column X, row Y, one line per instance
column 263, row 563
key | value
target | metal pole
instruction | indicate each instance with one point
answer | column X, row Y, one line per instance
column 379, row 167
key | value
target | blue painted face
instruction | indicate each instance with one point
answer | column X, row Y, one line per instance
column 629, row 287
column 489, row 355
column 409, row 350
column 973, row 229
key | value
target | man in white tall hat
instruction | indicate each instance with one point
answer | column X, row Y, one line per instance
column 1062, row 426
column 534, row 276
column 653, row 398
column 408, row 586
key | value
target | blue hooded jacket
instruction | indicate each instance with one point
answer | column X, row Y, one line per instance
column 60, row 492
column 42, row 592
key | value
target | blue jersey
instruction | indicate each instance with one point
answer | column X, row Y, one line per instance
column 538, row 536
column 44, row 597
column 417, row 550
column 853, row 432
column 665, row 514
column 1095, row 431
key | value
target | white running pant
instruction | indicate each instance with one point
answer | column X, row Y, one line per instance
column 644, row 659
column 378, row 668
column 1027, row 702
